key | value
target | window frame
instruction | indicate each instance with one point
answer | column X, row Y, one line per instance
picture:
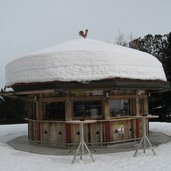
column 88, row 115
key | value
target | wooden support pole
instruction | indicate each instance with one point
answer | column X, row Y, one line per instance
column 106, row 110
column 146, row 108
column 137, row 106
column 68, row 109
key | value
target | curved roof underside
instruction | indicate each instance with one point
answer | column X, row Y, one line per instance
column 84, row 60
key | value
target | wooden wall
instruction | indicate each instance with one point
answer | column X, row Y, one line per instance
column 106, row 131
column 100, row 133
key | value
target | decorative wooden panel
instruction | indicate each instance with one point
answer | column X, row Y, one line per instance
column 60, row 133
column 96, row 132
column 120, row 130
column 45, row 133
column 75, row 133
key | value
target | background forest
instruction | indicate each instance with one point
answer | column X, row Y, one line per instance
column 160, row 47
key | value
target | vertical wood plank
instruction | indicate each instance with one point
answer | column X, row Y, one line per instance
column 68, row 109
column 68, row 133
column 107, row 131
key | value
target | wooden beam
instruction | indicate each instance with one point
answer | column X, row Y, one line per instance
column 87, row 98
column 53, row 99
column 106, row 83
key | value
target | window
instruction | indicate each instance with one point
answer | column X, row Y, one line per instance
column 119, row 107
column 55, row 110
column 31, row 110
column 84, row 109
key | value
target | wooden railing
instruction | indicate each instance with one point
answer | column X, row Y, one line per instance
column 96, row 132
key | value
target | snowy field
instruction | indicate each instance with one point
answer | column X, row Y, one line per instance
column 13, row 160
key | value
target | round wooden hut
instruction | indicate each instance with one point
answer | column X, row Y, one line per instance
column 85, row 79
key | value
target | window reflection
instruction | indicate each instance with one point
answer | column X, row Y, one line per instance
column 119, row 107
column 55, row 110
column 84, row 109
column 31, row 110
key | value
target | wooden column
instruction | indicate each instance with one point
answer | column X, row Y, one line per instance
column 146, row 109
column 106, row 110
column 137, row 114
column 37, row 125
column 137, row 106
column 68, row 109
column 68, row 117
column 39, row 110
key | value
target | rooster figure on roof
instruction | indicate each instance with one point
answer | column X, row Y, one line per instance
column 83, row 34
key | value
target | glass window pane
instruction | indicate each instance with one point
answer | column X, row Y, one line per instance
column 31, row 110
column 55, row 110
column 119, row 107
column 82, row 109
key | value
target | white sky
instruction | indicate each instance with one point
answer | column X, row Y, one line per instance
column 30, row 25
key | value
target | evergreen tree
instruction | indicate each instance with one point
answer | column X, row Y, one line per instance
column 160, row 47
column 167, row 58
column 12, row 110
column 154, row 45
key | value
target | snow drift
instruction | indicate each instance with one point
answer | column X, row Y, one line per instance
column 84, row 60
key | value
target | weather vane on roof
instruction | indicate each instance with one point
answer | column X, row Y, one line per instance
column 83, row 34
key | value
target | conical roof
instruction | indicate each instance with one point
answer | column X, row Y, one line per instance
column 84, row 60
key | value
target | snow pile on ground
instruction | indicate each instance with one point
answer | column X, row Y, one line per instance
column 13, row 160
column 84, row 60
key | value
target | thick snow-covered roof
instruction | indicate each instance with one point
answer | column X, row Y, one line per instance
column 84, row 60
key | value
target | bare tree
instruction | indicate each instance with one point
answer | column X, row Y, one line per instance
column 123, row 39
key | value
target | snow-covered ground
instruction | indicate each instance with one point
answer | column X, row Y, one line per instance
column 13, row 160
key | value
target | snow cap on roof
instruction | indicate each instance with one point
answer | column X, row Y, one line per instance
column 84, row 60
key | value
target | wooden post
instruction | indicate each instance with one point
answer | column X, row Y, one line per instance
column 68, row 109
column 39, row 116
column 107, row 131
column 137, row 106
column 106, row 110
column 37, row 109
column 137, row 114
column 146, row 109
column 41, row 108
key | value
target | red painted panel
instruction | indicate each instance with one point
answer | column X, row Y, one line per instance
column 68, row 133
column 107, row 131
